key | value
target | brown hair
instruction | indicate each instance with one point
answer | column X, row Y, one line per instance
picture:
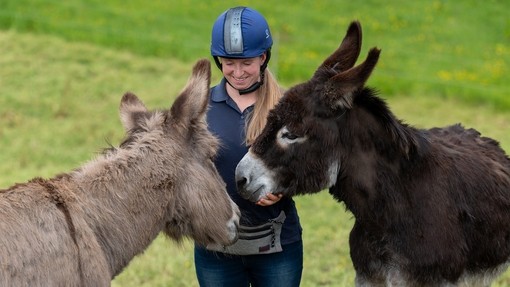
column 269, row 95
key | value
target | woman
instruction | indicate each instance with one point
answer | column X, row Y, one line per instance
column 270, row 250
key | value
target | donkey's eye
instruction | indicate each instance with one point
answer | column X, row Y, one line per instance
column 289, row 136
column 286, row 137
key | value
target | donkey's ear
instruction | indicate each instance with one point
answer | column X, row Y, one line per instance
column 347, row 53
column 339, row 90
column 130, row 108
column 191, row 104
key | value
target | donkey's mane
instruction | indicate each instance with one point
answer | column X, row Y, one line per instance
column 407, row 138
column 141, row 136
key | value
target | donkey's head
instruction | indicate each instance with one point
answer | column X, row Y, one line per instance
column 300, row 149
column 178, row 163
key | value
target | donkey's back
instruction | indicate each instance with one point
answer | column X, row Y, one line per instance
column 43, row 242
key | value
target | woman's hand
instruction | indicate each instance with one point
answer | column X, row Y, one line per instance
column 269, row 200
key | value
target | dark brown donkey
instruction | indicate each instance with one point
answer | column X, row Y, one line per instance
column 431, row 207
column 82, row 228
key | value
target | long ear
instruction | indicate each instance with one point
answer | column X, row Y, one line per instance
column 338, row 90
column 130, row 108
column 191, row 104
column 347, row 53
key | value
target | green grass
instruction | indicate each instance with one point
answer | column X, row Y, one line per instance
column 446, row 48
column 64, row 66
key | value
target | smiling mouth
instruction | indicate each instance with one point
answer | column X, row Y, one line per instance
column 239, row 82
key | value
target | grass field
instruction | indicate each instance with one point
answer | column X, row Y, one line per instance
column 448, row 48
column 64, row 66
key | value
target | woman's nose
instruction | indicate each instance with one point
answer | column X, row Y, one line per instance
column 238, row 71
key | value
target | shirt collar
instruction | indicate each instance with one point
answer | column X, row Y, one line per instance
column 220, row 92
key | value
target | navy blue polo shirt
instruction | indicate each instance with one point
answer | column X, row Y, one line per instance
column 227, row 122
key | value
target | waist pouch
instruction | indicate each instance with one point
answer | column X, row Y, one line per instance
column 260, row 239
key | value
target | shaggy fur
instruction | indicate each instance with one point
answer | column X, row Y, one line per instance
column 431, row 207
column 82, row 228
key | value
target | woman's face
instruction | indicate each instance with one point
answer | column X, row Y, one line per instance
column 242, row 73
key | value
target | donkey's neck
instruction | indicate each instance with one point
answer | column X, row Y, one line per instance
column 124, row 202
column 387, row 152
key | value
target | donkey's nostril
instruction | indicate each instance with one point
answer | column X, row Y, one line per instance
column 241, row 183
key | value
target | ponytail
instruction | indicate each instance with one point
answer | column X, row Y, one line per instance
column 268, row 96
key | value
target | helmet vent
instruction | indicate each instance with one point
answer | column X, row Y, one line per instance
column 232, row 32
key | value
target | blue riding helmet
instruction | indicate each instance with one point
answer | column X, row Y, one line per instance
column 241, row 32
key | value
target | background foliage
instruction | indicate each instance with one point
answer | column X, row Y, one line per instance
column 65, row 64
column 445, row 47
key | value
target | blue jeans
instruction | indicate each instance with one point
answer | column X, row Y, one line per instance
column 282, row 269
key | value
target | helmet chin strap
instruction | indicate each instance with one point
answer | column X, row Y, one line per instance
column 251, row 89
